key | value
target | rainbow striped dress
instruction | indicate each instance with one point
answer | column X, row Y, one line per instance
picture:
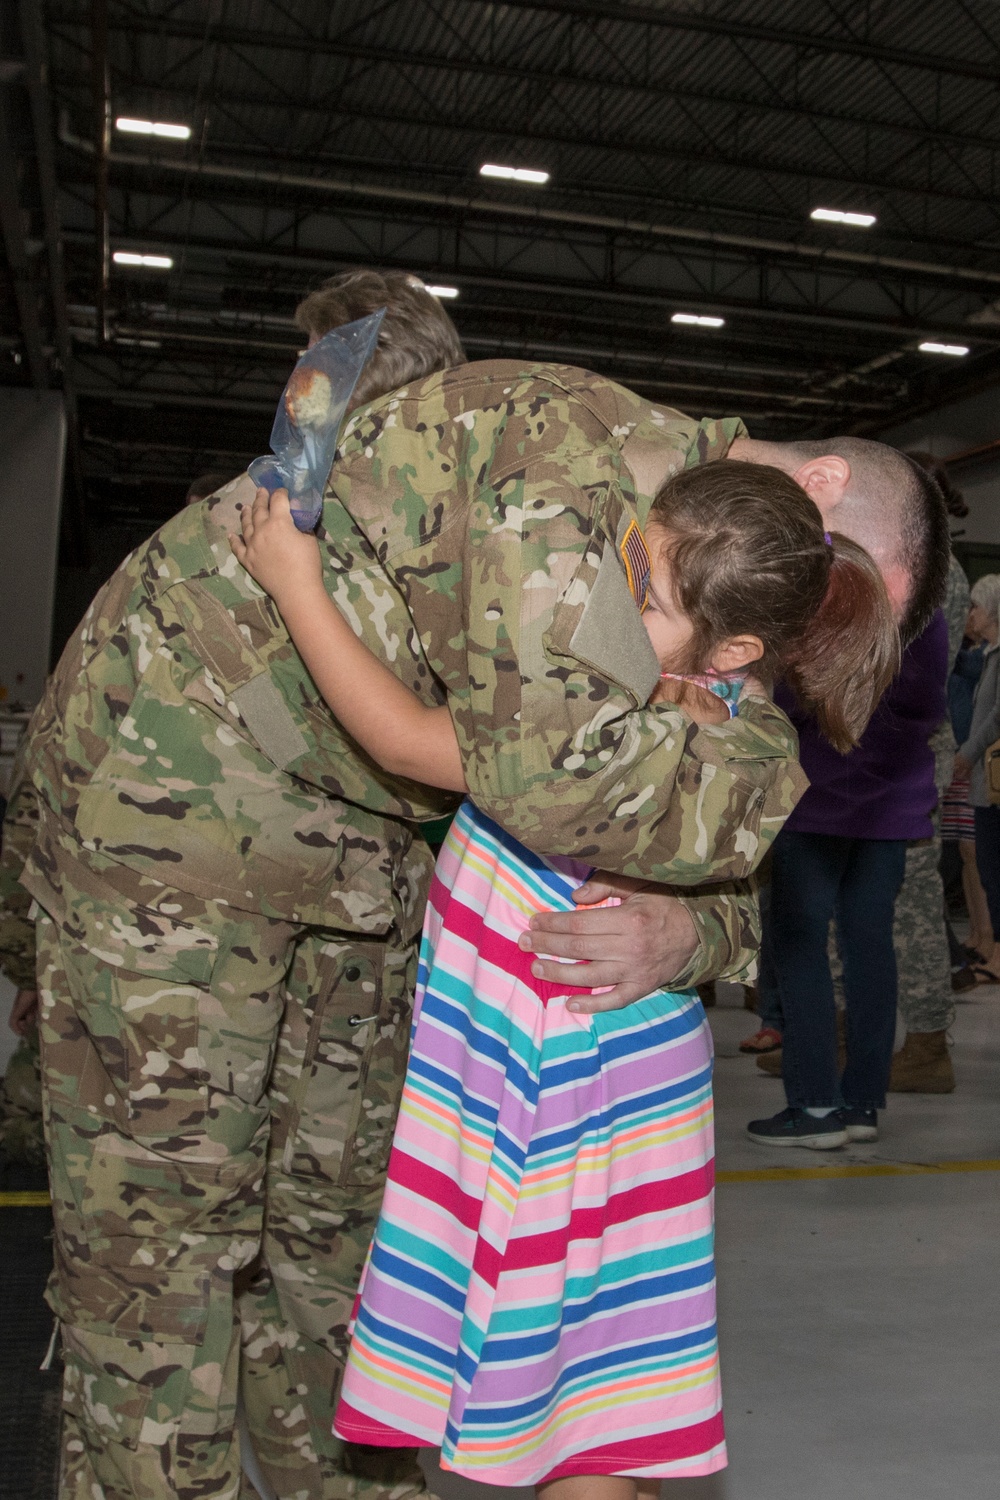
column 539, row 1299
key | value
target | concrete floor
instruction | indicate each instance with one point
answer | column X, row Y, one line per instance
column 858, row 1314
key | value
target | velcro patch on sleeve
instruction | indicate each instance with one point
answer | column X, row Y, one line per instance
column 635, row 556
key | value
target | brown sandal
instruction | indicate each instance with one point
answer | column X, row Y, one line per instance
column 762, row 1041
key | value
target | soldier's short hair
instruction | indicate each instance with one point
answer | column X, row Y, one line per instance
column 205, row 485
column 417, row 337
column 889, row 495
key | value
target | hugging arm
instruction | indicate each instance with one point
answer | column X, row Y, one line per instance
column 403, row 735
column 658, row 938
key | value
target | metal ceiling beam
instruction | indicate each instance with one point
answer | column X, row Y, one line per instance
column 18, row 259
column 101, row 116
column 33, row 42
column 664, row 18
column 589, row 11
column 537, row 213
column 542, row 349
column 34, row 78
column 710, row 157
column 495, row 68
column 597, row 291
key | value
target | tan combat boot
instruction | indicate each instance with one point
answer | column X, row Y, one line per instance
column 922, row 1065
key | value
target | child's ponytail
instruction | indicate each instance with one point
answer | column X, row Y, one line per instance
column 842, row 664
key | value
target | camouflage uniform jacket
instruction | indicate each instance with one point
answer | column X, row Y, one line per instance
column 472, row 533
column 480, row 520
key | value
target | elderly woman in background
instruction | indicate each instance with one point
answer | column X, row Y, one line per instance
column 984, row 625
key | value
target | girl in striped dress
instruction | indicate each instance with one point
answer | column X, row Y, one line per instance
column 539, row 1300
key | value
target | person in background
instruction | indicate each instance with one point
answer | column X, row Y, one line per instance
column 923, row 956
column 923, row 952
column 767, row 1038
column 958, row 816
column 984, row 625
column 843, row 853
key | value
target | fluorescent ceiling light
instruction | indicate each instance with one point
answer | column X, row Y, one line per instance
column 698, row 319
column 442, row 291
column 153, row 127
column 512, row 174
column 132, row 258
column 931, row 348
column 837, row 216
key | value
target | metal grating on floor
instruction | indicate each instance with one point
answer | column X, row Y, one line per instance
column 29, row 1398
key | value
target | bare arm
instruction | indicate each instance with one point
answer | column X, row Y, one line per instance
column 403, row 735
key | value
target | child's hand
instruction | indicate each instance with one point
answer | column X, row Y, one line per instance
column 282, row 559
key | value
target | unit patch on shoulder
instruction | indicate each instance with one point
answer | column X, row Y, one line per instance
column 635, row 556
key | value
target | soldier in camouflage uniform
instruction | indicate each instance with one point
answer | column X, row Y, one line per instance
column 923, row 958
column 228, row 892
column 212, row 856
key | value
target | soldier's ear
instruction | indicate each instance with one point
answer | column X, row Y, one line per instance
column 737, row 652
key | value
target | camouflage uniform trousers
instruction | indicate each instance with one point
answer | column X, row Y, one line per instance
column 219, row 1092
column 923, row 959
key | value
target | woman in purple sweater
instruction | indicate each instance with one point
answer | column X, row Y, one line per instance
column 842, row 853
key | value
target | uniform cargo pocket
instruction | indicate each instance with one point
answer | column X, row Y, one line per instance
column 153, row 1234
column 347, row 1096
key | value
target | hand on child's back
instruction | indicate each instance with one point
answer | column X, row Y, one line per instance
column 282, row 559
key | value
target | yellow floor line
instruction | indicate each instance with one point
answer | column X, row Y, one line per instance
column 873, row 1169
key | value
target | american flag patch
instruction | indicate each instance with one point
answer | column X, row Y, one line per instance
column 635, row 556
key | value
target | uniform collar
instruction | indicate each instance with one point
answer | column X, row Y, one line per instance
column 711, row 439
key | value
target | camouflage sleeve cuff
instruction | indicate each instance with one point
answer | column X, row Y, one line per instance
column 727, row 920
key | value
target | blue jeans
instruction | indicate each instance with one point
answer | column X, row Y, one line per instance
column 768, row 996
column 815, row 877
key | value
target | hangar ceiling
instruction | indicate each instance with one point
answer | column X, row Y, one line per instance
column 686, row 142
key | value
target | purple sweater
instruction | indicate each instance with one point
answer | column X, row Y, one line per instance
column 884, row 788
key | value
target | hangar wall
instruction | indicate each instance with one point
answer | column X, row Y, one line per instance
column 32, row 451
column 953, row 429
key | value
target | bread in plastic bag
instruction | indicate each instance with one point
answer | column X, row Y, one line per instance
column 311, row 409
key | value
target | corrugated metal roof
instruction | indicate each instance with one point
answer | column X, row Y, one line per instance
column 687, row 141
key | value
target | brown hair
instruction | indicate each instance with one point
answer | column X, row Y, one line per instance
column 748, row 555
column 416, row 338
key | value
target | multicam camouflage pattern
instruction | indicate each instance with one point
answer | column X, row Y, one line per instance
column 923, row 958
column 198, row 1067
column 20, row 826
column 474, row 522
column 956, row 604
column 727, row 920
column 21, row 1136
column 230, row 891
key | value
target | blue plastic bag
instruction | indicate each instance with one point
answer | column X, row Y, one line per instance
column 311, row 409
